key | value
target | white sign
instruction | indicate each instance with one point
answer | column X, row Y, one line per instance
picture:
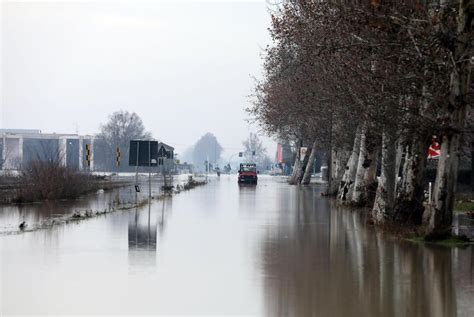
column 303, row 151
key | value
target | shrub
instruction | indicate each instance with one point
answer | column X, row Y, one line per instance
column 47, row 180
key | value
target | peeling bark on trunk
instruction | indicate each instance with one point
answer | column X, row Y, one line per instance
column 339, row 161
column 410, row 192
column 385, row 195
column 441, row 216
column 446, row 176
column 309, row 166
column 398, row 162
column 347, row 182
column 299, row 168
column 296, row 167
column 359, row 184
column 299, row 175
column 364, row 184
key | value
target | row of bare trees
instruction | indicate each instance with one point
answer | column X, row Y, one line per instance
column 370, row 79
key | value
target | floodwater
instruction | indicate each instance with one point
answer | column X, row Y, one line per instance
column 221, row 249
column 42, row 214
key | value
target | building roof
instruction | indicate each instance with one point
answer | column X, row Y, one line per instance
column 166, row 146
column 20, row 131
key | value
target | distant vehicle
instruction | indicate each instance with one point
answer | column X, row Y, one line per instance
column 247, row 174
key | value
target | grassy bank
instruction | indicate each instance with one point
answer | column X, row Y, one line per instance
column 44, row 181
column 117, row 206
column 462, row 206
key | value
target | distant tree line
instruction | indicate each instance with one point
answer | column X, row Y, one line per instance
column 370, row 79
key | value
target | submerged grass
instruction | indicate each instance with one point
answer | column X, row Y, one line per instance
column 464, row 206
column 78, row 216
column 417, row 233
column 450, row 241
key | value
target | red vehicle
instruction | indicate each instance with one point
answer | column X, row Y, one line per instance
column 247, row 174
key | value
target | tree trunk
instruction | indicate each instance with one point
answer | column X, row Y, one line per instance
column 410, row 191
column 370, row 174
column 296, row 167
column 385, row 195
column 347, row 182
column 398, row 162
column 339, row 161
column 366, row 170
column 309, row 166
column 304, row 164
column 446, row 176
column 441, row 216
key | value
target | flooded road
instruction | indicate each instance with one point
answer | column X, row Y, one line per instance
column 269, row 250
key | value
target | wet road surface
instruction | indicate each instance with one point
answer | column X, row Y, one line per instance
column 269, row 250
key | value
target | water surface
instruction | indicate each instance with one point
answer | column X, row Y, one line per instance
column 269, row 250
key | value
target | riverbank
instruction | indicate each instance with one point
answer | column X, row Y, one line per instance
column 11, row 188
column 462, row 228
column 116, row 196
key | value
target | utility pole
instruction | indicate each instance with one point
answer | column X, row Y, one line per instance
column 136, row 174
column 149, row 171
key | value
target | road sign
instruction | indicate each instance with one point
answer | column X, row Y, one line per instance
column 434, row 150
column 303, row 151
column 241, row 154
column 117, row 156
column 143, row 153
column 88, row 155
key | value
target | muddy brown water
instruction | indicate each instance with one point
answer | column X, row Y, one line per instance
column 221, row 249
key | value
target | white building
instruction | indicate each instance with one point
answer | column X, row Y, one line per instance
column 19, row 146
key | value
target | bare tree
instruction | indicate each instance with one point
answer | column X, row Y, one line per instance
column 395, row 72
column 121, row 127
column 254, row 151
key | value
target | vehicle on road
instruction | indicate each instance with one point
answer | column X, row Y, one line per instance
column 247, row 174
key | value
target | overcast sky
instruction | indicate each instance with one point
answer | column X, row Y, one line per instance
column 184, row 66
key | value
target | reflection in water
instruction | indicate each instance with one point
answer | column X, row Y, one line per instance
column 142, row 238
column 161, row 217
column 143, row 225
column 322, row 260
column 37, row 214
column 270, row 250
column 141, row 231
